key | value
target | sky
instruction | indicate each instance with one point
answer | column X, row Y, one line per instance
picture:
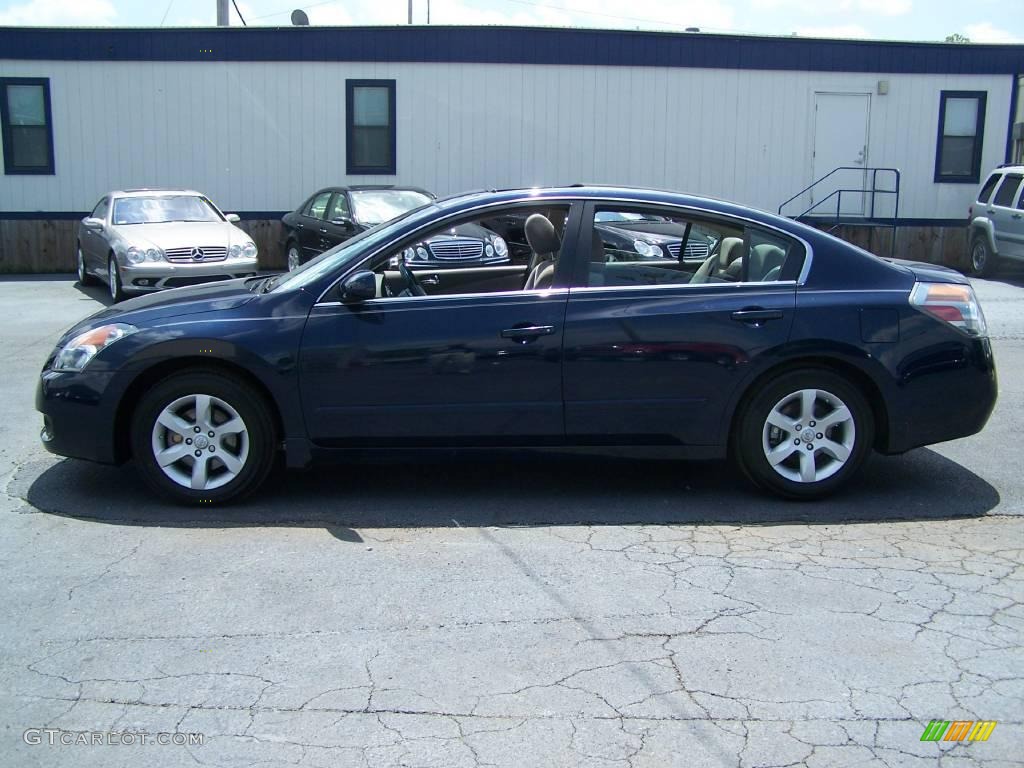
column 983, row 21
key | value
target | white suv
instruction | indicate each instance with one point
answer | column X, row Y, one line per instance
column 996, row 230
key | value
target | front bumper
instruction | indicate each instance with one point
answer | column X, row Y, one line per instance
column 78, row 414
column 154, row 276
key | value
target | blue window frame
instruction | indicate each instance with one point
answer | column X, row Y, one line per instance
column 370, row 127
column 26, row 125
column 960, row 135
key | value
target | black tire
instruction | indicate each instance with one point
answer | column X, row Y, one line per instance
column 84, row 278
column 249, row 405
column 752, row 433
column 114, row 280
column 983, row 261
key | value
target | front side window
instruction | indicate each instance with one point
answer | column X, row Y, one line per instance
column 26, row 126
column 317, row 206
column 961, row 128
column 163, row 209
column 370, row 115
column 636, row 247
column 339, row 207
column 100, row 211
column 473, row 256
column 1007, row 191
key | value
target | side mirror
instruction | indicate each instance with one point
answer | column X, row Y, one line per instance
column 362, row 286
column 232, row 217
column 92, row 223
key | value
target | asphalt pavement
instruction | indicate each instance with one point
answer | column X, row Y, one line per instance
column 524, row 610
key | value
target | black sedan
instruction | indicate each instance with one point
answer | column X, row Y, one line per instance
column 786, row 349
column 332, row 216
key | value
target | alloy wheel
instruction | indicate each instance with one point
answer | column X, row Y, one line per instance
column 809, row 435
column 200, row 442
column 293, row 258
column 978, row 256
column 81, row 267
column 114, row 279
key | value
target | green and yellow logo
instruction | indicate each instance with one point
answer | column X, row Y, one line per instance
column 958, row 730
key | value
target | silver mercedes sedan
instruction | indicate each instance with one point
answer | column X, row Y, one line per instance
column 141, row 240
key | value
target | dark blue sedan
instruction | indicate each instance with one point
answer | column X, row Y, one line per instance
column 786, row 349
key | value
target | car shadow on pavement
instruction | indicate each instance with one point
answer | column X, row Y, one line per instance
column 515, row 489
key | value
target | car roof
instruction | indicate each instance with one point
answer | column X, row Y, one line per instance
column 372, row 187
column 624, row 194
column 153, row 192
column 1008, row 168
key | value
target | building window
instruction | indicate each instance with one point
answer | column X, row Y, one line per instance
column 961, row 129
column 370, row 134
column 27, row 131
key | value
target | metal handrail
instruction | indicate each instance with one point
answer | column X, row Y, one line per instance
column 873, row 190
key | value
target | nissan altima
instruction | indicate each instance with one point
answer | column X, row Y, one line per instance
column 787, row 350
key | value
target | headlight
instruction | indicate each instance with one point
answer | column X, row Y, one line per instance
column 422, row 253
column 135, row 255
column 249, row 250
column 76, row 354
column 489, row 251
column 409, row 254
column 500, row 247
column 235, row 251
column 646, row 249
column 154, row 255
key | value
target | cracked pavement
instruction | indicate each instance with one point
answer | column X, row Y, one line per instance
column 534, row 610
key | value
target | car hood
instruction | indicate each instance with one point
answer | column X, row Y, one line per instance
column 152, row 307
column 930, row 273
column 179, row 234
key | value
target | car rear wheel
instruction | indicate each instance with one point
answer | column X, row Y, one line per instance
column 84, row 278
column 983, row 261
column 114, row 280
column 294, row 257
column 203, row 437
column 804, row 434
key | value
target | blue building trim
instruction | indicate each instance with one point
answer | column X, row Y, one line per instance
column 506, row 45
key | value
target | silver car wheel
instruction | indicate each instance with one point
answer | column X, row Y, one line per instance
column 200, row 442
column 113, row 279
column 293, row 259
column 808, row 436
column 81, row 267
column 979, row 255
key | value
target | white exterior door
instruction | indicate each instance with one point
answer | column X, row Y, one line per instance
column 841, row 123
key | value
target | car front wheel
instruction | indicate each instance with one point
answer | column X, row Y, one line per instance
column 804, row 434
column 114, row 280
column 294, row 257
column 203, row 437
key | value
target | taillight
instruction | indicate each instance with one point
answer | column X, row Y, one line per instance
column 953, row 303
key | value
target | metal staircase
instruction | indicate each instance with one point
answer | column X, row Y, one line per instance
column 818, row 214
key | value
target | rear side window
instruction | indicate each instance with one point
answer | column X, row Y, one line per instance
column 990, row 184
column 1007, row 191
column 637, row 247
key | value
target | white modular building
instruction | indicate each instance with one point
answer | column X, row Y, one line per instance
column 259, row 118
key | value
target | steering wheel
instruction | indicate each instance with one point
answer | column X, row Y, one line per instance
column 410, row 279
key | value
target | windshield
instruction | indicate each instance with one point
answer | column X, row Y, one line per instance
column 372, row 207
column 160, row 209
column 350, row 251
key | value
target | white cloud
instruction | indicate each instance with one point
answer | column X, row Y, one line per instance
column 816, row 7
column 985, row 32
column 59, row 13
column 837, row 31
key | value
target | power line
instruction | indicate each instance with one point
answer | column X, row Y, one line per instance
column 162, row 20
column 239, row 13
column 305, row 7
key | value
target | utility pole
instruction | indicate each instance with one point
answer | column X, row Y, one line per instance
column 410, row 11
column 222, row 13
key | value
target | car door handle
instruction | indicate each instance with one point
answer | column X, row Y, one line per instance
column 300, row 226
column 1015, row 216
column 323, row 230
column 756, row 316
column 525, row 333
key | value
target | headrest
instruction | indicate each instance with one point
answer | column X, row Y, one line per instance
column 730, row 250
column 541, row 235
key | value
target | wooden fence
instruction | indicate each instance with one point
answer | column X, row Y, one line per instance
column 37, row 246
